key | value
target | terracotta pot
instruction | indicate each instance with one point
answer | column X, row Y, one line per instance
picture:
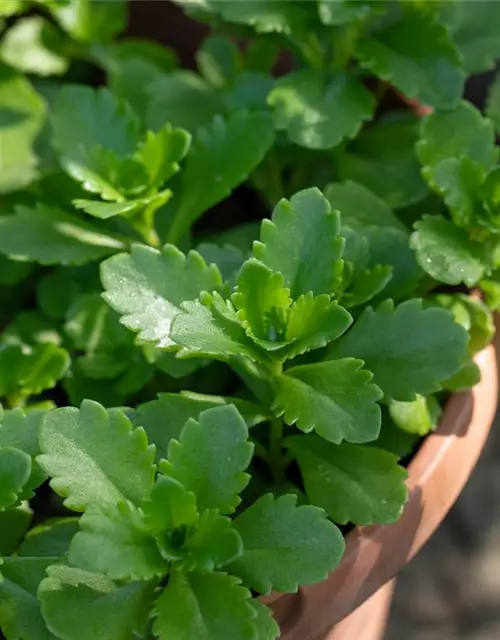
column 375, row 554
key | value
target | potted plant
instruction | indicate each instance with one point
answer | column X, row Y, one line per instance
column 244, row 361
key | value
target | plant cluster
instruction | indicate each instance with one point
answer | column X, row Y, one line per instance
column 254, row 280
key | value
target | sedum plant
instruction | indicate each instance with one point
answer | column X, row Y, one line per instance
column 258, row 281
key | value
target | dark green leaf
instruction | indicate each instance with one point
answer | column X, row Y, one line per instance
column 219, row 60
column 285, row 546
column 52, row 538
column 14, row 523
column 15, row 470
column 493, row 103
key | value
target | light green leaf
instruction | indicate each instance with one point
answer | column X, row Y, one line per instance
column 285, row 546
column 417, row 56
column 336, row 399
column 205, row 606
column 319, row 113
column 21, row 119
column 267, row 627
column 31, row 45
column 383, row 159
column 359, row 207
column 340, row 12
column 408, row 349
column 169, row 507
column 351, row 483
column 213, row 544
column 91, row 22
column 114, row 540
column 475, row 33
column 20, row 615
column 418, row 416
column 183, row 99
column 222, row 156
column 210, row 327
column 161, row 153
column 14, row 523
column 211, row 457
column 15, row 470
column 79, row 605
column 148, row 286
column 303, row 243
column 446, row 252
column 163, row 419
column 451, row 134
column 50, row 539
column 219, row 61
column 9, row 7
column 95, row 456
column 468, row 376
column 49, row 236
column 105, row 210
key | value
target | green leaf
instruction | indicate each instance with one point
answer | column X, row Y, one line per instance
column 383, row 159
column 21, row 116
column 15, row 470
column 14, row 523
column 31, row 45
column 163, row 419
column 205, row 606
column 475, row 34
column 161, row 153
column 336, row 399
column 20, row 615
column 30, row 328
column 408, row 349
column 50, row 539
column 11, row 7
column 169, row 507
column 418, row 416
column 366, row 285
column 183, row 99
column 267, row 627
column 210, row 327
column 211, row 457
column 417, row 56
column 105, row 210
column 49, row 236
column 79, row 605
column 319, row 113
column 222, row 156
column 95, row 456
column 90, row 22
column 20, row 431
column 493, row 103
column 340, row 12
column 228, row 259
column 147, row 288
column 451, row 134
column 447, row 253
column 285, row 546
column 468, row 376
column 219, row 61
column 214, row 544
column 352, row 483
column 114, row 540
column 359, row 207
column 303, row 243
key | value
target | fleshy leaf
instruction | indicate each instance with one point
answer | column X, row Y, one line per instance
column 90, row 22
column 163, row 419
column 222, row 156
column 147, row 287
column 382, row 158
column 446, row 252
column 211, row 457
column 366, row 285
column 228, row 259
column 468, row 376
column 336, row 399
column 14, row 523
column 49, row 236
column 50, row 539
column 95, row 456
column 342, row 12
column 418, row 416
column 80, row 605
column 359, row 207
column 285, row 546
column 303, row 243
column 205, row 606
column 20, row 615
column 416, row 55
column 115, row 541
column 15, row 470
column 408, row 349
column 22, row 116
column 319, row 113
column 352, row 483
column 170, row 506
column 267, row 627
